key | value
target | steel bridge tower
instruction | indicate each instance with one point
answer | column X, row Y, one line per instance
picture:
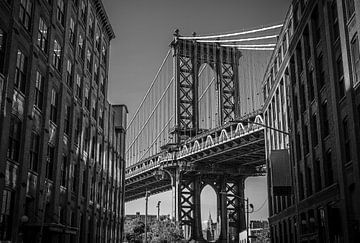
column 219, row 152
column 188, row 183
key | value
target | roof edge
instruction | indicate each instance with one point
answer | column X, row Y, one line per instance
column 100, row 10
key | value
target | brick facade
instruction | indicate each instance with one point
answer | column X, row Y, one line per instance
column 320, row 72
column 61, row 142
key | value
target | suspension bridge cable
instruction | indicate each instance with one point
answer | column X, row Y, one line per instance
column 253, row 45
column 232, row 34
column 240, row 40
column 255, row 49
column 151, row 145
column 151, row 114
column 149, row 89
column 206, row 89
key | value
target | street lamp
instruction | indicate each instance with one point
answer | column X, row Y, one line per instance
column 147, row 194
column 158, row 210
column 246, row 200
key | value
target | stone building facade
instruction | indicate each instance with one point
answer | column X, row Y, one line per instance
column 61, row 142
column 312, row 86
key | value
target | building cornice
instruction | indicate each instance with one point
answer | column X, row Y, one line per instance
column 100, row 11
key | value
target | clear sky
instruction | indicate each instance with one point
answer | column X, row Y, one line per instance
column 144, row 31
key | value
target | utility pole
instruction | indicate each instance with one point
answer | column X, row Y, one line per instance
column 147, row 194
column 158, row 210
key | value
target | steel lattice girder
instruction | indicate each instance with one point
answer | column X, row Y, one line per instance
column 189, row 57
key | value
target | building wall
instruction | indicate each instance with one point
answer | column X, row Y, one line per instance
column 323, row 122
column 61, row 142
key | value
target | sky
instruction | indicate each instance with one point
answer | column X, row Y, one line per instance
column 144, row 30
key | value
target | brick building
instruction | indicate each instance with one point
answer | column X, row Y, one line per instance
column 61, row 142
column 312, row 91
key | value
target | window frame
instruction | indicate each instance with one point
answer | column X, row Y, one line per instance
column 20, row 71
column 25, row 13
column 42, row 38
column 39, row 89
column 60, row 9
column 57, row 52
column 34, row 151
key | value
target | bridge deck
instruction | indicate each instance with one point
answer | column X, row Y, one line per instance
column 234, row 149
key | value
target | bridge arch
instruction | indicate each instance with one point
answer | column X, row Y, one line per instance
column 208, row 97
column 210, row 216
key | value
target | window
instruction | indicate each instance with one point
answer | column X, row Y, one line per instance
column 350, row 8
column 329, row 174
column 42, row 39
column 334, row 21
column 301, row 185
column 311, row 86
column 60, row 11
column 97, row 40
column 320, row 71
column 93, row 147
column 25, row 13
column 102, row 85
column 101, row 117
column 57, row 56
column 2, row 49
column 53, row 106
column 346, row 140
column 87, row 138
column 34, row 152
column 309, row 183
column 317, row 173
column 67, row 120
column 88, row 60
column 325, row 119
column 39, row 84
column 355, row 59
column 340, row 76
column 81, row 47
column 96, row 72
column 83, row 11
column 316, row 25
column 69, row 73
column 93, row 108
column 305, row 139
column 78, row 86
column 7, row 207
column 20, row 72
column 50, row 162
column 91, row 26
column 63, row 171
column 86, row 98
column 314, row 134
column 302, row 98
column 72, row 178
column 72, row 32
column 14, row 139
column 78, row 131
column 83, row 183
column 103, row 54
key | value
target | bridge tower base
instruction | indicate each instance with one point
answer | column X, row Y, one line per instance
column 229, row 189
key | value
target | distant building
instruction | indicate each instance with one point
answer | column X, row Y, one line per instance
column 212, row 231
column 312, row 91
column 61, row 142
column 258, row 232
